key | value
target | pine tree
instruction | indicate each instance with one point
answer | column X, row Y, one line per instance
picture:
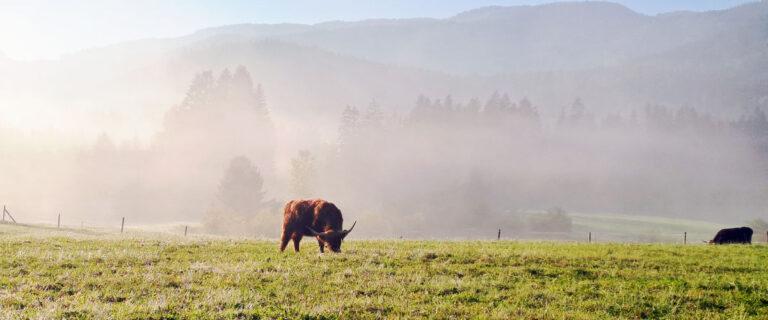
column 241, row 96
column 349, row 126
column 104, row 144
column 241, row 188
column 492, row 108
column 373, row 119
column 526, row 109
column 200, row 91
column 260, row 101
column 423, row 109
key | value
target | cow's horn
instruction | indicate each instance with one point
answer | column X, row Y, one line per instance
column 315, row 233
column 350, row 229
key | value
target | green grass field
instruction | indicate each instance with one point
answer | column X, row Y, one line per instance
column 73, row 274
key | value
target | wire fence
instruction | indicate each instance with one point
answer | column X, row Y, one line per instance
column 581, row 235
column 682, row 237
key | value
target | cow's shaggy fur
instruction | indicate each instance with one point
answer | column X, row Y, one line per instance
column 318, row 218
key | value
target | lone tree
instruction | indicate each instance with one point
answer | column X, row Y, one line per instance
column 241, row 187
column 240, row 207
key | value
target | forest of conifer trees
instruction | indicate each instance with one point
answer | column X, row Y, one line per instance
column 445, row 165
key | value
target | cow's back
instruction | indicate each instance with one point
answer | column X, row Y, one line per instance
column 317, row 214
column 733, row 235
column 297, row 213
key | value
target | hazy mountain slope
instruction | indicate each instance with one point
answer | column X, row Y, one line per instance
column 488, row 40
column 493, row 40
column 611, row 56
column 614, row 59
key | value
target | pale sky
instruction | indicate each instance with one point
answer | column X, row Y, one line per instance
column 40, row 29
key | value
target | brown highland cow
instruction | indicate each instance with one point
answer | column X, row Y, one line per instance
column 318, row 218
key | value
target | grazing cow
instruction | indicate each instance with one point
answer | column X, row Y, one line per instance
column 318, row 218
column 733, row 235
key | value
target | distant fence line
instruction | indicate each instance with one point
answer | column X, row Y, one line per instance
column 683, row 237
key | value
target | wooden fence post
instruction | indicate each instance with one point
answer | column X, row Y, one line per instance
column 590, row 237
column 498, row 236
column 685, row 237
column 185, row 231
column 8, row 213
column 122, row 225
column 58, row 222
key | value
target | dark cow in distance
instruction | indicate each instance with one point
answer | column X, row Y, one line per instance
column 318, row 218
column 733, row 235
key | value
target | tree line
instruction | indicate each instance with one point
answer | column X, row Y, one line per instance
column 446, row 165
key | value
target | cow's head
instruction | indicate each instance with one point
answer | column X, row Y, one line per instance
column 332, row 238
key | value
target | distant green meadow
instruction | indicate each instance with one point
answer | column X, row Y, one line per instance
column 71, row 275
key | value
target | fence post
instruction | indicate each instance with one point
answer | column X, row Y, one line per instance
column 685, row 237
column 122, row 225
column 766, row 236
column 6, row 212
column 185, row 231
column 590, row 237
column 498, row 236
column 58, row 222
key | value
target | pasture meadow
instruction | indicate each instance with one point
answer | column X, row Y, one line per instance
column 71, row 275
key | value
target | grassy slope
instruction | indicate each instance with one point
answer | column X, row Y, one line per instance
column 91, row 275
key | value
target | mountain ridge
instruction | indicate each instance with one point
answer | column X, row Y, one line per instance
column 706, row 60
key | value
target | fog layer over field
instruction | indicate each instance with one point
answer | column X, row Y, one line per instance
column 496, row 118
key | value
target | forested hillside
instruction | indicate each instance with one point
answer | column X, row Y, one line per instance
column 481, row 119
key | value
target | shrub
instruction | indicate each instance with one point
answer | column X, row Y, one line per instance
column 554, row 220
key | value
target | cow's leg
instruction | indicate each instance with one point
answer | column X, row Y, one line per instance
column 284, row 238
column 322, row 246
column 296, row 241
